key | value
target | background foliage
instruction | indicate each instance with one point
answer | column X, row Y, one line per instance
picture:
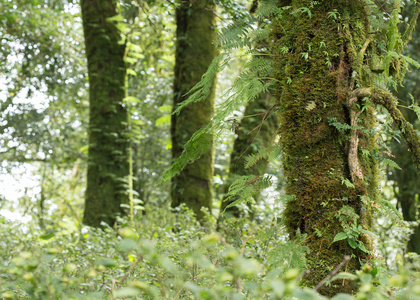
column 161, row 255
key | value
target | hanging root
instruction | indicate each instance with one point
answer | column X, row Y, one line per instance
column 354, row 165
column 388, row 101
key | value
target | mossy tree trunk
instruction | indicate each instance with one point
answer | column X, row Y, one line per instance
column 194, row 52
column 108, row 156
column 315, row 58
column 256, row 130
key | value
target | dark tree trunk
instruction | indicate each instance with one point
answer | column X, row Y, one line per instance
column 194, row 52
column 252, row 136
column 408, row 180
column 108, row 159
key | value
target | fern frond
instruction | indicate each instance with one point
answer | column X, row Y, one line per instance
column 253, row 80
column 237, row 35
column 268, row 153
column 245, row 187
column 290, row 255
column 202, row 89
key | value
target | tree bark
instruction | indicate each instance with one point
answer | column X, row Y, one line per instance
column 108, row 166
column 194, row 52
column 316, row 90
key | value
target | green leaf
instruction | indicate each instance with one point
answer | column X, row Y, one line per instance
column 351, row 242
column 391, row 163
column 368, row 232
column 163, row 120
column 106, row 262
column 126, row 292
column 362, row 247
column 130, row 60
column 131, row 72
column 46, row 236
column 117, row 18
column 165, row 108
column 340, row 236
column 411, row 61
column 127, row 245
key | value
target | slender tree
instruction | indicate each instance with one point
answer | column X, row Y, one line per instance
column 321, row 51
column 406, row 180
column 256, row 130
column 108, row 156
column 194, row 52
column 253, row 133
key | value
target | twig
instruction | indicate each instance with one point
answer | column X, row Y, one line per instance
column 266, row 114
column 382, row 8
column 333, row 273
column 131, row 269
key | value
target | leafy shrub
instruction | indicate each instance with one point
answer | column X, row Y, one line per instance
column 166, row 255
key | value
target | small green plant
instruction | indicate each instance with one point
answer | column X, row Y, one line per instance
column 351, row 228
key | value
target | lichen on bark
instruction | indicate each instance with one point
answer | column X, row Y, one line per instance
column 108, row 160
column 194, row 52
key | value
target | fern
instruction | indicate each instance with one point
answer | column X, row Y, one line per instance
column 245, row 187
column 342, row 127
column 269, row 154
column 253, row 80
column 391, row 163
column 202, row 89
column 290, row 255
column 238, row 34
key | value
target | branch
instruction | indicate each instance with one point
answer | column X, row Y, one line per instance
column 131, row 269
column 332, row 274
column 389, row 102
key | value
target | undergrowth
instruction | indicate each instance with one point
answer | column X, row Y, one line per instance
column 172, row 258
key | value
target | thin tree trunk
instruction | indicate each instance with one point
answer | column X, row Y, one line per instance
column 108, row 156
column 194, row 52
column 253, row 133
column 407, row 180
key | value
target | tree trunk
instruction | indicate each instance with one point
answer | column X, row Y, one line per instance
column 108, row 156
column 315, row 57
column 407, row 180
column 194, row 52
column 251, row 137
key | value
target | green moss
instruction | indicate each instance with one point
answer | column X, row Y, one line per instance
column 319, row 62
column 194, row 52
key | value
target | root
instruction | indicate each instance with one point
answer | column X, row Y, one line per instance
column 388, row 101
